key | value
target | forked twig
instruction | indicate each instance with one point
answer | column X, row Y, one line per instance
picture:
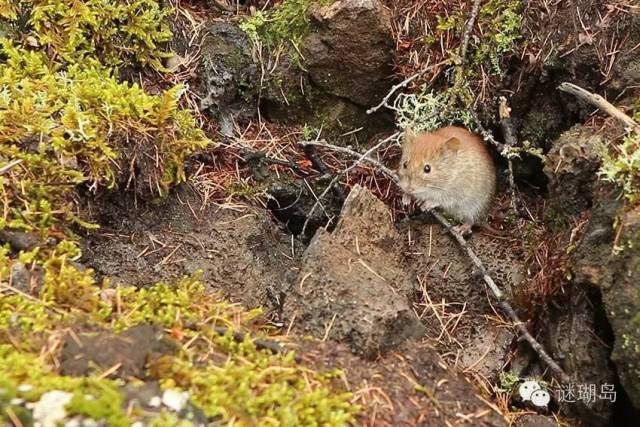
column 361, row 158
column 600, row 102
column 323, row 144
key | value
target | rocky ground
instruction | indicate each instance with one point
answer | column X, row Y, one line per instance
column 360, row 283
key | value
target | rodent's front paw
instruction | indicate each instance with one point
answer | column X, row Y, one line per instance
column 428, row 205
column 406, row 200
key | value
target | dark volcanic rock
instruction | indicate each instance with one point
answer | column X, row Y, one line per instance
column 239, row 250
column 571, row 166
column 353, row 285
column 350, row 51
column 532, row 420
column 579, row 344
column 228, row 75
column 82, row 353
column 615, row 271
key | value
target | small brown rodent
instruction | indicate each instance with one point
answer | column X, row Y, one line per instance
column 452, row 169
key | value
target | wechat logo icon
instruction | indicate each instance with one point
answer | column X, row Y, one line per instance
column 531, row 391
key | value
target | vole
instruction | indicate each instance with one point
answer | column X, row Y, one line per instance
column 452, row 169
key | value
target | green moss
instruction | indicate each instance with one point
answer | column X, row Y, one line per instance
column 502, row 22
column 116, row 31
column 95, row 398
column 81, row 126
column 283, row 27
column 246, row 385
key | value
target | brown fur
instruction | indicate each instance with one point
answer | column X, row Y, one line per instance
column 462, row 178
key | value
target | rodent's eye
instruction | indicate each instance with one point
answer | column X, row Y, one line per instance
column 427, row 169
column 405, row 165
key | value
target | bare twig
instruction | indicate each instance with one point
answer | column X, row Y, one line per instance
column 318, row 163
column 504, row 112
column 486, row 135
column 599, row 102
column 506, row 307
column 362, row 157
column 345, row 150
column 6, row 168
column 468, row 29
column 394, row 89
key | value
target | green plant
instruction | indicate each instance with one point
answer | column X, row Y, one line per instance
column 503, row 23
column 621, row 166
column 115, row 31
column 283, row 27
column 79, row 125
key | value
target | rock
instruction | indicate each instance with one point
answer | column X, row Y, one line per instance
column 349, row 53
column 571, row 166
column 50, row 409
column 532, row 420
column 578, row 342
column 228, row 75
column 487, row 353
column 291, row 202
column 626, row 70
column 352, row 285
column 616, row 273
column 27, row 280
column 131, row 349
column 447, row 276
column 175, row 399
column 20, row 240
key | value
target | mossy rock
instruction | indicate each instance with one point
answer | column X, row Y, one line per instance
column 571, row 167
column 609, row 258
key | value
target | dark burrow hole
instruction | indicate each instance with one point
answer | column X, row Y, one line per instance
column 622, row 413
column 292, row 209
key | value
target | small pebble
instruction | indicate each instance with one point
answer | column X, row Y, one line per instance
column 155, row 402
column 174, row 399
column 25, row 388
column 50, row 409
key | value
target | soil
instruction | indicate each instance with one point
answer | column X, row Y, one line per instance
column 239, row 249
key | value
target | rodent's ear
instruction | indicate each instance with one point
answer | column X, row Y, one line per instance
column 409, row 136
column 452, row 145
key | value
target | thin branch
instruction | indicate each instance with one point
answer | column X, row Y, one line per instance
column 353, row 153
column 6, row 168
column 599, row 102
column 486, row 135
column 468, row 29
column 361, row 158
column 395, row 88
column 319, row 164
column 403, row 84
column 504, row 112
column 497, row 293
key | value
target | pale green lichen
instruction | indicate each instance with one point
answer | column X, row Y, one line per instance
column 426, row 111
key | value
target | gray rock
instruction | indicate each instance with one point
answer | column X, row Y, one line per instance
column 352, row 285
column 532, row 420
column 228, row 75
column 583, row 355
column 350, row 50
column 571, row 166
column 617, row 275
